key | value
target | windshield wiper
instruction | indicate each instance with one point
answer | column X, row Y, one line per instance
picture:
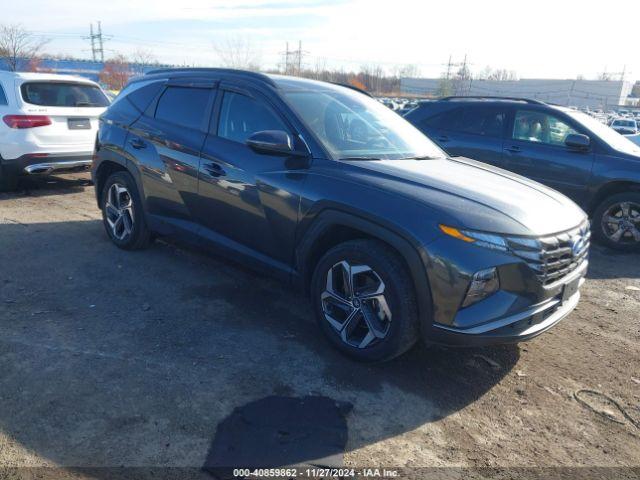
column 421, row 157
column 359, row 158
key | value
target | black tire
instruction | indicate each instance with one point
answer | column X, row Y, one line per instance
column 403, row 329
column 8, row 182
column 139, row 236
column 628, row 244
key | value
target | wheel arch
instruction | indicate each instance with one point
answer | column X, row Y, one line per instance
column 110, row 163
column 611, row 188
column 332, row 227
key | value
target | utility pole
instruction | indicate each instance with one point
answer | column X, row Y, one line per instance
column 97, row 42
column 101, row 47
column 93, row 42
column 286, row 60
column 449, row 64
column 293, row 60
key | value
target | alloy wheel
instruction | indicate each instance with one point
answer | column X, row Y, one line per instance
column 355, row 305
column 621, row 223
column 119, row 211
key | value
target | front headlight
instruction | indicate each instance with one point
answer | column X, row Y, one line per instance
column 482, row 239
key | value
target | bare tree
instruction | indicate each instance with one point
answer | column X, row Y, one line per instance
column 18, row 46
column 142, row 58
column 498, row 74
column 406, row 71
column 238, row 52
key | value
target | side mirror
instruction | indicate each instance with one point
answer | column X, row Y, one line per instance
column 577, row 141
column 272, row 141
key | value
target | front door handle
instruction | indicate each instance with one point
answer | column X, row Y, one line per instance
column 137, row 143
column 214, row 170
column 513, row 149
column 443, row 138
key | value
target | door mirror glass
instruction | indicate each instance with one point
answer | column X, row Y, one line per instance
column 271, row 141
column 576, row 140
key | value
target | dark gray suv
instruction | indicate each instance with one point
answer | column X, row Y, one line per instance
column 326, row 188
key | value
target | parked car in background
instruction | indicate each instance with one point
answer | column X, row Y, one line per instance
column 325, row 187
column 624, row 126
column 48, row 124
column 565, row 149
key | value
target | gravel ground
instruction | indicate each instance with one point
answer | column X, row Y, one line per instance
column 111, row 358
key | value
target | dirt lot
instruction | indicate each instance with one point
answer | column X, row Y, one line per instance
column 110, row 358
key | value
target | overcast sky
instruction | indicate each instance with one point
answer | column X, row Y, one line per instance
column 537, row 39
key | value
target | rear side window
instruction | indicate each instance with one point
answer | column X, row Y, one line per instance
column 184, row 106
column 3, row 97
column 480, row 121
column 485, row 121
column 63, row 94
column 242, row 116
column 444, row 120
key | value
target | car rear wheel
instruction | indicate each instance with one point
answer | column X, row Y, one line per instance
column 122, row 212
column 616, row 222
column 364, row 301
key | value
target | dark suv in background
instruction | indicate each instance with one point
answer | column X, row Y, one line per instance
column 563, row 148
column 326, row 188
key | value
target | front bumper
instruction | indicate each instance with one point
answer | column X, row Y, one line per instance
column 512, row 329
column 523, row 308
column 40, row 164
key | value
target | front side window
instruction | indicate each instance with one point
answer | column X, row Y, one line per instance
column 351, row 125
column 540, row 127
column 184, row 106
column 63, row 94
column 242, row 116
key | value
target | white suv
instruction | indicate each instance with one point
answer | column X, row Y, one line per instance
column 47, row 123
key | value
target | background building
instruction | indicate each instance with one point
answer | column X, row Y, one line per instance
column 594, row 94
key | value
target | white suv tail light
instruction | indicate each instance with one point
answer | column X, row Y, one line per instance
column 26, row 121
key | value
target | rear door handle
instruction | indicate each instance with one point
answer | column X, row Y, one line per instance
column 137, row 143
column 513, row 149
column 443, row 138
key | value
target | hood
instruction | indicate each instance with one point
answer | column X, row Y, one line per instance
column 478, row 196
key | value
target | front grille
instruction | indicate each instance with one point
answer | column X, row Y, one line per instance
column 553, row 257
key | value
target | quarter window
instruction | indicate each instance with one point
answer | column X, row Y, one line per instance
column 3, row 97
column 540, row 127
column 242, row 116
column 184, row 106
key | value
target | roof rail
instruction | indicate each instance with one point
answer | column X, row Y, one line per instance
column 489, row 97
column 352, row 87
column 230, row 71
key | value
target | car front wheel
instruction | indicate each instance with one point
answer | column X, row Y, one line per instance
column 122, row 212
column 616, row 222
column 364, row 301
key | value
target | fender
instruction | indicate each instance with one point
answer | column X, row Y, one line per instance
column 413, row 253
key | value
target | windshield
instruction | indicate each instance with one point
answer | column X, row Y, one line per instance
column 353, row 126
column 63, row 94
column 606, row 134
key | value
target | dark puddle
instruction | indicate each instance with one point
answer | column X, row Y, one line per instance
column 279, row 431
